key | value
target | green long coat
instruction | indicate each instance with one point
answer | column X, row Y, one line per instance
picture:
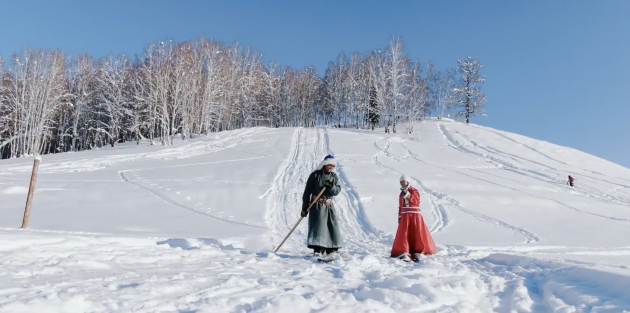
column 323, row 229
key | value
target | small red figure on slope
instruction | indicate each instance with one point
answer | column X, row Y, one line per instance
column 570, row 182
column 413, row 237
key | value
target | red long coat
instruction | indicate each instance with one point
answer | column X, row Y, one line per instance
column 413, row 235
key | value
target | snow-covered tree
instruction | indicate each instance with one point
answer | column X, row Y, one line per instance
column 52, row 103
column 466, row 97
column 415, row 106
column 82, row 85
column 378, row 67
column 373, row 110
column 440, row 84
column 336, row 87
column 35, row 90
column 110, row 104
column 5, row 111
column 400, row 79
column 136, row 109
column 211, row 85
column 158, row 69
column 271, row 94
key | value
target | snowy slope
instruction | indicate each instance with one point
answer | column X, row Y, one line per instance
column 189, row 228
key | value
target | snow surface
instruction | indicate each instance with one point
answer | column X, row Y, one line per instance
column 191, row 227
column 15, row 190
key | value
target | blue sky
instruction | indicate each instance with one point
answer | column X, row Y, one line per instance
column 556, row 70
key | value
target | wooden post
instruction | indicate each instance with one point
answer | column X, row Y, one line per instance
column 31, row 190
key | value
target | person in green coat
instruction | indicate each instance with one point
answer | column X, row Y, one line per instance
column 323, row 228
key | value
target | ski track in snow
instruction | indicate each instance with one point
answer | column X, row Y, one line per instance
column 166, row 198
column 284, row 198
column 593, row 195
column 521, row 144
column 439, row 206
column 440, row 198
column 547, row 156
column 508, row 166
column 222, row 144
column 604, row 197
column 59, row 271
column 364, row 235
column 439, row 211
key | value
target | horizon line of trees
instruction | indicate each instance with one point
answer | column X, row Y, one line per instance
column 51, row 102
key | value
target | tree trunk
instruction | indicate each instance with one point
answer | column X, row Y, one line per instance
column 467, row 110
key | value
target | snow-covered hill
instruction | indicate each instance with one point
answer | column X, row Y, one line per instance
column 189, row 228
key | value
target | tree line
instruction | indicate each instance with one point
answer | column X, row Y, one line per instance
column 51, row 102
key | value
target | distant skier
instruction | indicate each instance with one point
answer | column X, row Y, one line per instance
column 323, row 230
column 413, row 237
column 570, row 181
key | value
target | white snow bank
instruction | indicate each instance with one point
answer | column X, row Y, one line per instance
column 80, row 273
column 191, row 226
column 562, row 286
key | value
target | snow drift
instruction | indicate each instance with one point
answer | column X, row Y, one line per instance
column 190, row 227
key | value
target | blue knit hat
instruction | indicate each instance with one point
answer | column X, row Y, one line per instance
column 329, row 159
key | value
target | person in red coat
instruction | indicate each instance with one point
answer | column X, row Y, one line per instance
column 413, row 237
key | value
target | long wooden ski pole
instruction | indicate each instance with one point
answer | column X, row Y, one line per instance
column 298, row 222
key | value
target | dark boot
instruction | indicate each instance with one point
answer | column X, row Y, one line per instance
column 331, row 250
column 318, row 250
